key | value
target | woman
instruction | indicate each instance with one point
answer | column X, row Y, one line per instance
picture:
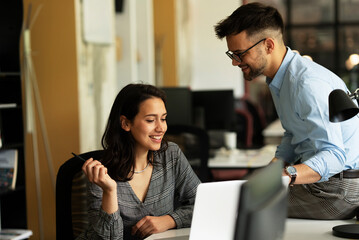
column 132, row 190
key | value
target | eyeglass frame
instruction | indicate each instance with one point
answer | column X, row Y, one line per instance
column 238, row 56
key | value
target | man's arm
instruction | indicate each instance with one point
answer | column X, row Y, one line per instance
column 305, row 174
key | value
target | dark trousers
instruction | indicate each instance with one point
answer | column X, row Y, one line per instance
column 333, row 199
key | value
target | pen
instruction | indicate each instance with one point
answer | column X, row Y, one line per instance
column 79, row 157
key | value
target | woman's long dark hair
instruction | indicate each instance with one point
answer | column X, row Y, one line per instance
column 119, row 145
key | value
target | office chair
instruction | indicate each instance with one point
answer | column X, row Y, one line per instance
column 259, row 122
column 250, row 123
column 71, row 198
column 194, row 142
column 244, row 128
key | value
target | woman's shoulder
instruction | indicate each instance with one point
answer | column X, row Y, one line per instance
column 173, row 149
column 172, row 146
column 172, row 152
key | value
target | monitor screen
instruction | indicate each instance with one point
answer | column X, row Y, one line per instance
column 262, row 207
column 214, row 109
column 178, row 105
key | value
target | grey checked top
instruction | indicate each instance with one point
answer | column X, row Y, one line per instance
column 173, row 181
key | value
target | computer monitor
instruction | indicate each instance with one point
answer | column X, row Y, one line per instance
column 262, row 207
column 178, row 105
column 214, row 109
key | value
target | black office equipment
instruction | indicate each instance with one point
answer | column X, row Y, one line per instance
column 214, row 109
column 341, row 108
column 71, row 198
column 262, row 207
column 194, row 143
column 11, row 112
column 119, row 6
column 178, row 105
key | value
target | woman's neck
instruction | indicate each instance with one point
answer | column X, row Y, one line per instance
column 141, row 160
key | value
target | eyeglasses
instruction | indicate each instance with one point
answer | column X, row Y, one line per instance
column 238, row 56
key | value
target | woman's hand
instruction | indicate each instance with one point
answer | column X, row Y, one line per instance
column 150, row 225
column 96, row 173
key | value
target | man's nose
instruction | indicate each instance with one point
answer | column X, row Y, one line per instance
column 235, row 62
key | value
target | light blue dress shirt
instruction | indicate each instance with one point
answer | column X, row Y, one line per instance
column 300, row 91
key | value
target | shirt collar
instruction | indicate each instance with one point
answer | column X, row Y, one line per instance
column 276, row 83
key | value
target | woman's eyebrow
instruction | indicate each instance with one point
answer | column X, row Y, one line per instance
column 154, row 115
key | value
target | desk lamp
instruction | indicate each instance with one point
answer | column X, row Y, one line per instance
column 341, row 108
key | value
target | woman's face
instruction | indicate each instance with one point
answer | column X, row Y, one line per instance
column 149, row 125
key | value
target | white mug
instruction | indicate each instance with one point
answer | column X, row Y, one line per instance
column 230, row 140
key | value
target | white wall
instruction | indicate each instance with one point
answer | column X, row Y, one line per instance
column 145, row 41
column 211, row 68
column 126, row 70
column 184, row 38
column 134, row 28
column 96, row 74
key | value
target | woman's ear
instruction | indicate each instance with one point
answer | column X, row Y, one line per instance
column 125, row 123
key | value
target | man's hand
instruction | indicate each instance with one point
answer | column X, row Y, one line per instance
column 150, row 225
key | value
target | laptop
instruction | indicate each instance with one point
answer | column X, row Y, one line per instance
column 215, row 210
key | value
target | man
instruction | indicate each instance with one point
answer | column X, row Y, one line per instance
column 317, row 153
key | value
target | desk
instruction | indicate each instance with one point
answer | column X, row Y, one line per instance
column 295, row 229
column 273, row 133
column 242, row 158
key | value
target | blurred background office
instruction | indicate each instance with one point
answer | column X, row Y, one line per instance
column 77, row 55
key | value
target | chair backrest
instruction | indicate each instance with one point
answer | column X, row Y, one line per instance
column 71, row 204
column 250, row 123
column 194, row 142
column 244, row 128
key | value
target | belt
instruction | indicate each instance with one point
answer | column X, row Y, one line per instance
column 351, row 173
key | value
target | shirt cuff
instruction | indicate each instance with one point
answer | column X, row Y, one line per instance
column 177, row 220
column 110, row 218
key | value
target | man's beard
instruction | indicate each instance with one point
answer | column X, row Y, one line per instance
column 255, row 72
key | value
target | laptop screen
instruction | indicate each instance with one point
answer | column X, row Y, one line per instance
column 215, row 210
column 230, row 210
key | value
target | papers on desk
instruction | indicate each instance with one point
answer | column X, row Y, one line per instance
column 239, row 158
column 15, row 234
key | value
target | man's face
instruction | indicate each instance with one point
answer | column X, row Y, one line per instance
column 253, row 62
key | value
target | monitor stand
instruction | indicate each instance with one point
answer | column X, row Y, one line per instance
column 347, row 231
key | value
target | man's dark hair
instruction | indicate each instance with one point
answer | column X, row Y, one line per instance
column 252, row 17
